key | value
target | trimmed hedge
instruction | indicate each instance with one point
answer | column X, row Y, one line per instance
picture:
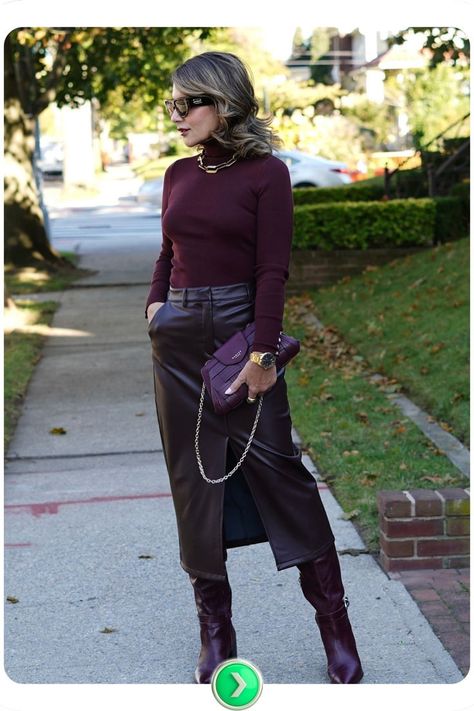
column 410, row 183
column 342, row 193
column 462, row 190
column 359, row 225
column 452, row 219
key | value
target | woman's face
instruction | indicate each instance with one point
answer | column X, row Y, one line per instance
column 196, row 127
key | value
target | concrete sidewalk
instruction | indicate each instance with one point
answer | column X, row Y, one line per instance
column 91, row 545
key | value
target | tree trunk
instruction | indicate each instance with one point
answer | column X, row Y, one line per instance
column 26, row 241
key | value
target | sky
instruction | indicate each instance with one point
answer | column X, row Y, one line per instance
column 278, row 39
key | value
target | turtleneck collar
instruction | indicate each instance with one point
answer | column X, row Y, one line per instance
column 214, row 149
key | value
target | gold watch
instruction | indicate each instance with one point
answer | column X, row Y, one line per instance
column 264, row 360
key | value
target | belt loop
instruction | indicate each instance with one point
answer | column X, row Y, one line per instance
column 210, row 298
column 185, row 296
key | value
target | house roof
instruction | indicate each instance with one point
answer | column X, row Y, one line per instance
column 399, row 56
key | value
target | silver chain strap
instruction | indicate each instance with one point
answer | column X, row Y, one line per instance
column 252, row 433
column 196, row 441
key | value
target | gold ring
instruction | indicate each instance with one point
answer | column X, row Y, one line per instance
column 251, row 400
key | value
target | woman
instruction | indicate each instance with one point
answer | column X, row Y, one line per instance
column 227, row 231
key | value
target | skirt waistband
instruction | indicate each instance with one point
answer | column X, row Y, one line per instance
column 212, row 293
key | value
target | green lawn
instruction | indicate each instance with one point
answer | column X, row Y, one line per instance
column 22, row 346
column 22, row 351
column 30, row 280
column 409, row 321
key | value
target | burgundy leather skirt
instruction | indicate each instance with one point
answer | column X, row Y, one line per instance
column 272, row 497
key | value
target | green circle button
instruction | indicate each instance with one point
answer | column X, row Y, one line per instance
column 236, row 683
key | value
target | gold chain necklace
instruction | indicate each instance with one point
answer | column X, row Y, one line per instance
column 215, row 168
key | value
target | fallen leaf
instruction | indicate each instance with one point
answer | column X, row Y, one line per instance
column 446, row 427
column 146, row 556
column 12, row 599
column 350, row 515
column 57, row 431
column 107, row 630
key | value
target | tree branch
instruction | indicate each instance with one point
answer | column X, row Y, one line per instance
column 49, row 93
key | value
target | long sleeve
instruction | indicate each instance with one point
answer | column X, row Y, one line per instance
column 161, row 274
column 273, row 248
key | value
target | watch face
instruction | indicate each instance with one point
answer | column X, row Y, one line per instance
column 268, row 359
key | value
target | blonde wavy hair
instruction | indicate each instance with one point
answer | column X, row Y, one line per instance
column 226, row 79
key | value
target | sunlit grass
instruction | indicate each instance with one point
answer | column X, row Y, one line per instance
column 359, row 440
column 29, row 280
column 22, row 350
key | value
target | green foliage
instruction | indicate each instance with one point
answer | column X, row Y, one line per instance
column 320, row 42
column 22, row 349
column 462, row 190
column 334, row 137
column 246, row 43
column 447, row 44
column 409, row 183
column 409, row 321
column 290, row 94
column 452, row 218
column 72, row 65
column 376, row 122
column 360, row 225
column 298, row 44
column 434, row 99
column 319, row 45
column 343, row 193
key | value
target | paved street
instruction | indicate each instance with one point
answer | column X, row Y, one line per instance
column 91, row 545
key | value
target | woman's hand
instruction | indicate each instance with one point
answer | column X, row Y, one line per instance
column 257, row 378
column 152, row 309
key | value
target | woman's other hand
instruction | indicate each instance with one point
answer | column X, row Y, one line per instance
column 257, row 378
column 152, row 309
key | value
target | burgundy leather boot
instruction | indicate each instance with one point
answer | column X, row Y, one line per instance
column 321, row 582
column 218, row 639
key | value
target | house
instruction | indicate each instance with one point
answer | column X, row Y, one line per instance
column 356, row 59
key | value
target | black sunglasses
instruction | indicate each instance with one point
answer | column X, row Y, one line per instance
column 184, row 104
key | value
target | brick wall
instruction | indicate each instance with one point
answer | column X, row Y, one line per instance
column 321, row 267
column 424, row 528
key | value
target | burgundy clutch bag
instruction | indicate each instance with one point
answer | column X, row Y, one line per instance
column 222, row 369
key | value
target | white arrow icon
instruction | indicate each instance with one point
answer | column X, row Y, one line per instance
column 241, row 685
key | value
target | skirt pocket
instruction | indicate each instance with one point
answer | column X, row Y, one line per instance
column 156, row 319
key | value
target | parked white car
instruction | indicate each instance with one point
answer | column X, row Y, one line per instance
column 150, row 192
column 51, row 160
column 308, row 171
column 305, row 172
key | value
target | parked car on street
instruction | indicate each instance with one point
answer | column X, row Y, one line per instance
column 308, row 171
column 150, row 192
column 305, row 172
column 51, row 161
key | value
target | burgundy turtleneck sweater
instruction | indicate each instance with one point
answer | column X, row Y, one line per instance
column 232, row 226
